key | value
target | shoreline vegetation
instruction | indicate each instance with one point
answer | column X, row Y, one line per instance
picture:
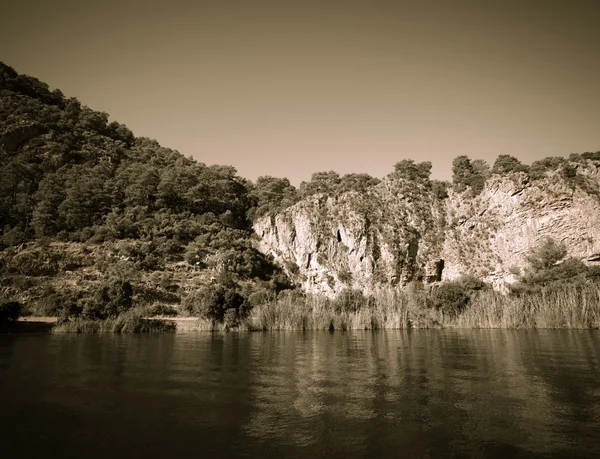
column 562, row 308
column 552, row 292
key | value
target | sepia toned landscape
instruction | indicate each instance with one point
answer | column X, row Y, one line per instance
column 355, row 229
column 109, row 232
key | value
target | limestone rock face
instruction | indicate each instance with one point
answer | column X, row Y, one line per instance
column 489, row 236
column 401, row 231
column 390, row 235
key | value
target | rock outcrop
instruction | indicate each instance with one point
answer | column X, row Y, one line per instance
column 401, row 231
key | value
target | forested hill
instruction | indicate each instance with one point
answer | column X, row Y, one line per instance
column 68, row 173
column 70, row 177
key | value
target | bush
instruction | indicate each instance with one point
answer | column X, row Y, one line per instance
column 231, row 318
column 453, row 297
column 505, row 164
column 414, row 172
column 547, row 271
column 349, row 300
column 439, row 189
column 10, row 311
column 570, row 273
column 113, row 298
column 162, row 310
column 260, row 297
column 345, row 276
column 538, row 169
column 568, row 171
column 545, row 254
column 63, row 304
column 212, row 301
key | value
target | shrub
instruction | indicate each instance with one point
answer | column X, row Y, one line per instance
column 63, row 304
column 260, row 297
column 545, row 254
column 539, row 168
column 114, row 298
column 414, row 172
column 231, row 318
column 345, row 276
column 568, row 171
column 505, row 164
column 10, row 311
column 462, row 172
column 349, row 300
column 570, row 273
column 162, row 310
column 453, row 297
column 439, row 189
column 212, row 301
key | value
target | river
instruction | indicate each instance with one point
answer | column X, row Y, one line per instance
column 415, row 393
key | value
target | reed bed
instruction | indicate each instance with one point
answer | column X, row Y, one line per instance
column 385, row 309
column 129, row 322
column 576, row 307
column 567, row 307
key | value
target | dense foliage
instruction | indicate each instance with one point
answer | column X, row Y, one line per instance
column 469, row 174
column 68, row 175
column 549, row 268
column 10, row 311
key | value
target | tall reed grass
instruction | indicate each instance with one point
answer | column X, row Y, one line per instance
column 386, row 308
column 129, row 322
column 567, row 307
column 576, row 307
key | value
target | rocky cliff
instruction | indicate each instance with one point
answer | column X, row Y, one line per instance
column 401, row 231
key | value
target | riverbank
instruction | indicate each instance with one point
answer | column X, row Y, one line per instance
column 577, row 307
column 564, row 308
column 29, row 324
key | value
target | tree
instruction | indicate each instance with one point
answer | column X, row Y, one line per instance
column 462, row 172
column 356, row 182
column 539, row 168
column 482, row 168
column 415, row 172
column 545, row 254
column 506, row 164
column 320, row 182
column 114, row 298
column 469, row 174
column 272, row 194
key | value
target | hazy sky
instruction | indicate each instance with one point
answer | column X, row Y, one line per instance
column 288, row 88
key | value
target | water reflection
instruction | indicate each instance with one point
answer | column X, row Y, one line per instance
column 428, row 392
column 362, row 394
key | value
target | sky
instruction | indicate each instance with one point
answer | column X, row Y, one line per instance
column 287, row 88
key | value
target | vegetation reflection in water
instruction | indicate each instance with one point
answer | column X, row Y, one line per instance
column 436, row 393
column 427, row 390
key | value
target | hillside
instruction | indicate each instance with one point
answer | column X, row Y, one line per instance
column 97, row 222
column 85, row 205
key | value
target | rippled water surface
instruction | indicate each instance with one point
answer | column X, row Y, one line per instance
column 364, row 394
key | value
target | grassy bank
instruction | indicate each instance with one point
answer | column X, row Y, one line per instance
column 566, row 307
column 130, row 322
column 395, row 309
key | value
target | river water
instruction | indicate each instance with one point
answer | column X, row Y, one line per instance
column 423, row 394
